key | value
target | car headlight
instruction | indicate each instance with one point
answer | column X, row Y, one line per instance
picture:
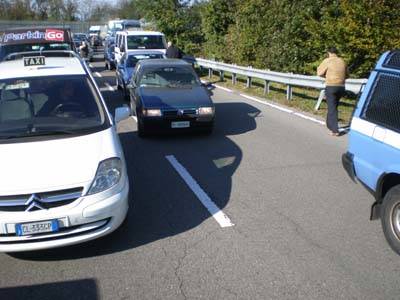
column 152, row 112
column 108, row 174
column 206, row 110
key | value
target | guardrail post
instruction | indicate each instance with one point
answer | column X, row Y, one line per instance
column 248, row 84
column 221, row 75
column 266, row 87
column 320, row 98
column 289, row 92
column 210, row 73
column 233, row 78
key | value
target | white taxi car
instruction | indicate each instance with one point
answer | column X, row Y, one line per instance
column 63, row 177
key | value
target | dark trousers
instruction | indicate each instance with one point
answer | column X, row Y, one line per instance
column 333, row 95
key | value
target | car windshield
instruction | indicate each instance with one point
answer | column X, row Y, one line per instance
column 133, row 59
column 79, row 37
column 146, row 42
column 49, row 105
column 169, row 77
column 8, row 49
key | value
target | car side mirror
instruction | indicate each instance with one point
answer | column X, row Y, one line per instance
column 122, row 113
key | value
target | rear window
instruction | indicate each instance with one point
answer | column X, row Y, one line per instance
column 8, row 49
column 146, row 42
column 383, row 107
column 133, row 59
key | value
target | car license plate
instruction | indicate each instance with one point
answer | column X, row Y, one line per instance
column 36, row 227
column 184, row 124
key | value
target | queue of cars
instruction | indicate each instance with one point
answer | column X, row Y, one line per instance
column 64, row 177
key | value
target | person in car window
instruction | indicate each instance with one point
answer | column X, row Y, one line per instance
column 173, row 51
column 334, row 69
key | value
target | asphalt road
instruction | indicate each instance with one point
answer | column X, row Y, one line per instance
column 301, row 230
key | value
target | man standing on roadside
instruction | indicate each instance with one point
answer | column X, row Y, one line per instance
column 334, row 69
column 173, row 51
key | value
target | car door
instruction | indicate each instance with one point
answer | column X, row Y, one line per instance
column 375, row 129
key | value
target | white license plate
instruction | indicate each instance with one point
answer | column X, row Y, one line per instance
column 36, row 227
column 183, row 124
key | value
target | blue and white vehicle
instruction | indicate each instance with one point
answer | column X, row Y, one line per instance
column 373, row 156
column 127, row 64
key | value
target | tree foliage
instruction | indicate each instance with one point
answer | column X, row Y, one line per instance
column 281, row 35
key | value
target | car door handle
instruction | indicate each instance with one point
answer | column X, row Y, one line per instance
column 379, row 134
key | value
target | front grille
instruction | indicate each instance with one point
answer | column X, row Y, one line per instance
column 180, row 113
column 393, row 60
column 46, row 200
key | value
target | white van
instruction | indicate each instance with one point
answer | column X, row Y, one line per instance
column 138, row 40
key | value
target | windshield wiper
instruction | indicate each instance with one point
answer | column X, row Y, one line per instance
column 37, row 133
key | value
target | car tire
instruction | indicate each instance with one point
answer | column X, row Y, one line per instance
column 126, row 95
column 118, row 85
column 390, row 218
column 140, row 126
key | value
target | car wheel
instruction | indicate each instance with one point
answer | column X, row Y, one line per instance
column 118, row 85
column 140, row 126
column 126, row 95
column 390, row 217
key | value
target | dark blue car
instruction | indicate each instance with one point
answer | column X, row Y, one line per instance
column 167, row 95
column 127, row 64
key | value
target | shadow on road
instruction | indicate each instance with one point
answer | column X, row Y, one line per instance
column 161, row 205
column 85, row 288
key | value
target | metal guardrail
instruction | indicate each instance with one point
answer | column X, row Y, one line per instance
column 289, row 79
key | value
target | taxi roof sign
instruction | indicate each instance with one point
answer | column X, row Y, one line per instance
column 34, row 61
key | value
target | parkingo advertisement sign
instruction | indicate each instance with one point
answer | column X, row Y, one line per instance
column 26, row 36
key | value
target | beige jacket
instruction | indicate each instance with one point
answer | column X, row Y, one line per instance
column 334, row 69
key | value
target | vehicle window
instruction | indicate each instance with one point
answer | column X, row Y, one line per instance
column 383, row 107
column 145, row 42
column 32, row 106
column 7, row 49
column 169, row 77
column 133, row 59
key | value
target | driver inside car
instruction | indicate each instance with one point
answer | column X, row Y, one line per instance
column 62, row 101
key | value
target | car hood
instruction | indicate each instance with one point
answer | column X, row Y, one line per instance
column 41, row 166
column 156, row 97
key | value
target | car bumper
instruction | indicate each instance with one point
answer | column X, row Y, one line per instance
column 164, row 125
column 92, row 217
column 348, row 165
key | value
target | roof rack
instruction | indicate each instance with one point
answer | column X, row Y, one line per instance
column 48, row 53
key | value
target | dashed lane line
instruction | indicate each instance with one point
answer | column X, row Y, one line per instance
column 222, row 219
column 97, row 74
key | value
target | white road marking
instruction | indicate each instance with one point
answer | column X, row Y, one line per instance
column 97, row 74
column 222, row 219
column 224, row 88
column 289, row 111
column 266, row 103
column 110, row 88
column 91, row 66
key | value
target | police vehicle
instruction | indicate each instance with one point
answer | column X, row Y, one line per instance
column 63, row 178
column 373, row 156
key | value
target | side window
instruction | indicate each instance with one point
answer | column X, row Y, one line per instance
column 136, row 74
column 383, row 107
column 123, row 43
